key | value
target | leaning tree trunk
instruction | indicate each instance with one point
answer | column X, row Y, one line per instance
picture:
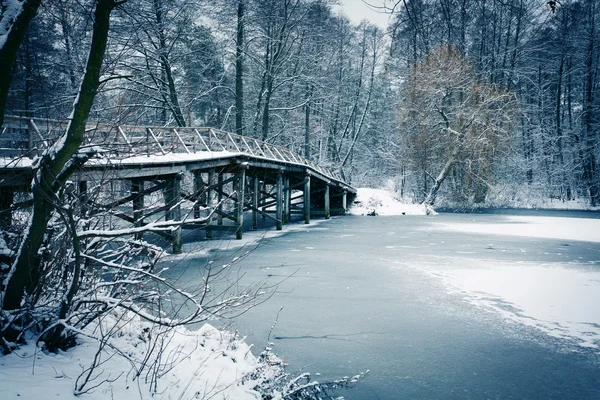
column 14, row 22
column 56, row 166
column 430, row 199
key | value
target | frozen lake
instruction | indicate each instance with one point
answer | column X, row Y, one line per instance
column 435, row 307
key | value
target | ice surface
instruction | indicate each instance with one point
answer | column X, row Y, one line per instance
column 559, row 298
column 584, row 229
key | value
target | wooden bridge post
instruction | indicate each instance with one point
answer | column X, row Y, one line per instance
column 239, row 183
column 287, row 196
column 264, row 209
column 279, row 200
column 255, row 201
column 137, row 189
column 210, row 201
column 307, row 198
column 173, row 213
column 344, row 202
column 220, row 198
column 326, row 201
column 198, row 186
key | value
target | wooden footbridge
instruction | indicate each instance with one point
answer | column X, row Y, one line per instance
column 202, row 172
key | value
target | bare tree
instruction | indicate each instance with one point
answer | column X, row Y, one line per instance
column 463, row 120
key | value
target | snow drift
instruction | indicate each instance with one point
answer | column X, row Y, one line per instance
column 384, row 202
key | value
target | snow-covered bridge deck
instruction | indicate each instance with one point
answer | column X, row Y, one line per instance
column 228, row 172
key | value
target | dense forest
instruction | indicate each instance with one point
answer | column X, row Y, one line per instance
column 457, row 102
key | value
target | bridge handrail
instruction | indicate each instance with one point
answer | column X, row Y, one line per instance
column 123, row 141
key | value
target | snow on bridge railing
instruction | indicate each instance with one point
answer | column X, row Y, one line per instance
column 26, row 136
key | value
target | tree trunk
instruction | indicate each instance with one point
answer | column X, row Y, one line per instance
column 239, row 71
column 14, row 22
column 166, row 66
column 430, row 199
column 452, row 160
column 307, row 123
column 589, row 167
column 56, row 166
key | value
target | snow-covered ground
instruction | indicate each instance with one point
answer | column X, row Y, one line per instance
column 207, row 363
column 383, row 202
column 558, row 297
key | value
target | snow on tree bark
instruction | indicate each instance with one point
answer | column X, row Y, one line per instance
column 56, row 165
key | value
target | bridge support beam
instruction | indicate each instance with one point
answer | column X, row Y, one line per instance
column 307, row 199
column 279, row 201
column 344, row 202
column 255, row 200
column 239, row 187
column 264, row 209
column 198, row 192
column 287, row 196
column 326, row 203
column 173, row 213
column 220, row 198
column 137, row 191
column 210, row 201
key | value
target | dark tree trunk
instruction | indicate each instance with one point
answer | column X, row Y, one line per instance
column 589, row 167
column 239, row 71
column 166, row 66
column 56, row 166
column 15, row 35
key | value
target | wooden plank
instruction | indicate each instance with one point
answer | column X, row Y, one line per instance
column 153, row 136
column 173, row 213
column 137, row 192
column 265, row 214
column 233, row 142
column 307, row 200
column 255, row 201
column 279, row 201
column 287, row 196
column 181, row 140
column 326, row 201
column 239, row 205
column 202, row 140
column 210, row 199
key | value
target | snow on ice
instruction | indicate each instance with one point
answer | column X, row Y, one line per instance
column 560, row 298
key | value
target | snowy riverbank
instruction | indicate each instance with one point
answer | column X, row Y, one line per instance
column 207, row 363
column 384, row 202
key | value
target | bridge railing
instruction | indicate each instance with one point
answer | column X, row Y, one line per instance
column 21, row 136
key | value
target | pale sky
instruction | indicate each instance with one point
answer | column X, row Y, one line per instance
column 357, row 10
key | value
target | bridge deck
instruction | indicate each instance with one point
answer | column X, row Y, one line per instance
column 128, row 148
column 263, row 178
